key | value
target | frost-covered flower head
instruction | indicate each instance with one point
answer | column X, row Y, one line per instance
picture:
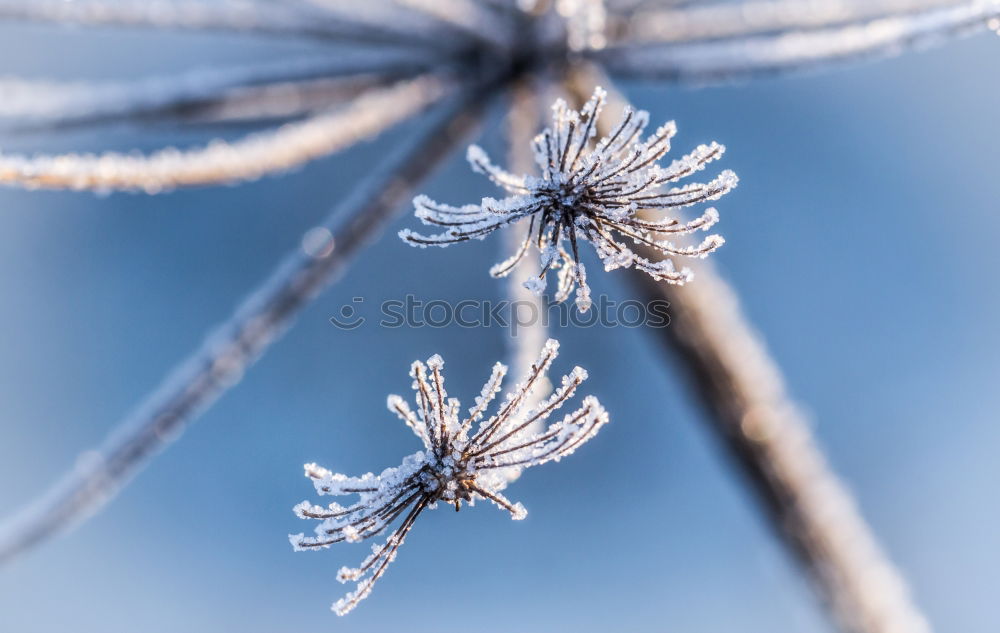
column 456, row 464
column 595, row 192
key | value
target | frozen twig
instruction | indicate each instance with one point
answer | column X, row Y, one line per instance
column 748, row 407
column 250, row 158
column 264, row 315
column 33, row 103
column 288, row 20
column 227, row 15
column 433, row 24
column 277, row 101
column 526, row 116
column 757, row 17
column 790, row 50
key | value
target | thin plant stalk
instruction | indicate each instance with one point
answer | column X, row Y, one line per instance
column 294, row 21
column 226, row 354
column 522, row 123
column 248, row 158
column 796, row 50
column 47, row 105
column 747, row 406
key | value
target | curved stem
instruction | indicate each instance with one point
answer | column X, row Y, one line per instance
column 713, row 21
column 32, row 105
column 748, row 56
column 249, row 158
column 242, row 16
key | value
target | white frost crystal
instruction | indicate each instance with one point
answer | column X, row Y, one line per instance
column 456, row 464
column 594, row 192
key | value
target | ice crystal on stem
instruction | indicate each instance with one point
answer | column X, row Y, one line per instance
column 456, row 464
column 595, row 192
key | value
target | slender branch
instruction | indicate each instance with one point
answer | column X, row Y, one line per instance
column 721, row 59
column 226, row 15
column 743, row 393
column 37, row 104
column 264, row 315
column 812, row 510
column 526, row 114
column 249, row 158
column 757, row 17
column 278, row 102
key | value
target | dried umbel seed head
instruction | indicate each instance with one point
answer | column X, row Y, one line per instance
column 458, row 465
column 596, row 192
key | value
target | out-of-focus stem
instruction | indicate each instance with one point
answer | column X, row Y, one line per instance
column 749, row 409
column 219, row 363
column 747, row 405
column 292, row 20
column 527, row 308
column 795, row 50
column 249, row 158
column 44, row 105
column 664, row 25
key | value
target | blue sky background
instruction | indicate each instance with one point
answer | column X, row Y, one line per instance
column 862, row 239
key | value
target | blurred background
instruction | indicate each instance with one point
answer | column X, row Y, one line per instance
column 862, row 239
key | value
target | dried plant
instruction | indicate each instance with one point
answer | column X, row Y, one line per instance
column 454, row 465
column 441, row 44
column 408, row 56
column 588, row 192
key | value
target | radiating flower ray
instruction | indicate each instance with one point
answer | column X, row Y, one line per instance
column 443, row 24
column 247, row 159
column 272, row 103
column 223, row 15
column 275, row 102
column 261, row 319
column 35, row 103
column 458, row 464
column 507, row 6
column 719, row 59
column 631, row 7
column 757, row 17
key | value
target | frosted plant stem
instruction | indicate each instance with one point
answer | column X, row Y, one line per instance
column 263, row 104
column 225, row 15
column 34, row 103
column 277, row 102
column 219, row 162
column 264, row 315
column 757, row 17
column 749, row 409
column 704, row 61
column 526, row 116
